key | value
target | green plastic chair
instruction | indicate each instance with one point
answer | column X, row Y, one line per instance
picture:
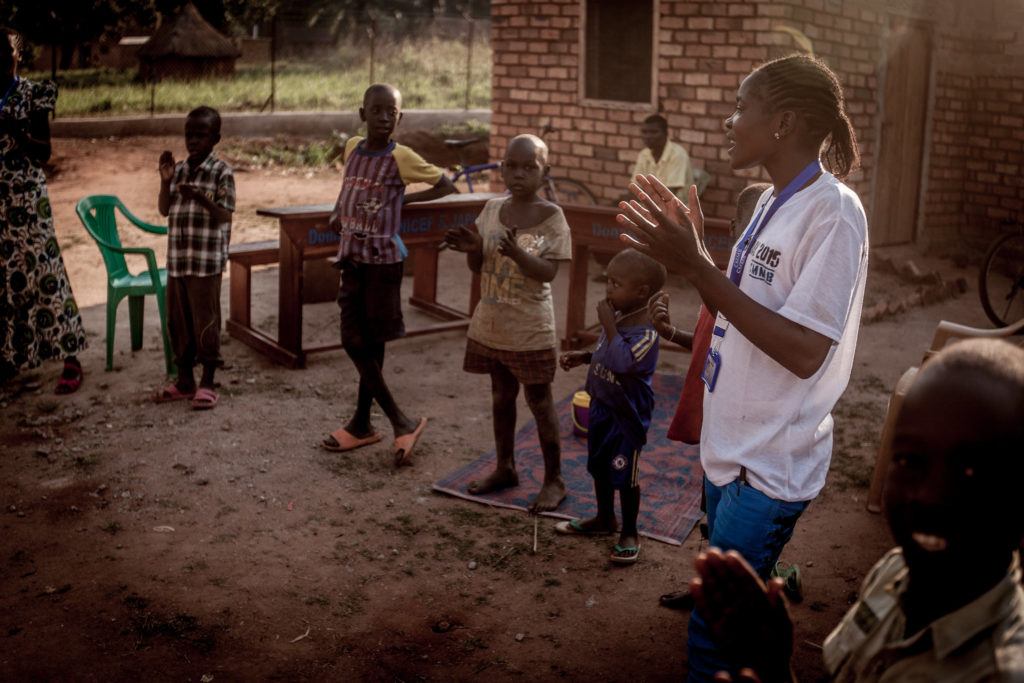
column 98, row 216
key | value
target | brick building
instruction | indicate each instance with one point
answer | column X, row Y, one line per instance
column 934, row 87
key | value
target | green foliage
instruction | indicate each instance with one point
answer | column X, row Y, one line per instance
column 430, row 73
column 257, row 153
column 464, row 129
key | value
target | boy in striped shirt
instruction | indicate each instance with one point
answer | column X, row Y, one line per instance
column 621, row 398
column 367, row 216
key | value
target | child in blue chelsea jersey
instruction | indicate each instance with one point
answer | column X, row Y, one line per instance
column 621, row 398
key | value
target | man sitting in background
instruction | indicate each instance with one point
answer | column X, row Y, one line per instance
column 663, row 158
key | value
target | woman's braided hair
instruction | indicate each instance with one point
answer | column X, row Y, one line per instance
column 804, row 84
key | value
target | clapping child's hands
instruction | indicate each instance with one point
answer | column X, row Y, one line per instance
column 657, row 309
column 572, row 359
column 166, row 166
column 508, row 245
column 463, row 239
column 189, row 192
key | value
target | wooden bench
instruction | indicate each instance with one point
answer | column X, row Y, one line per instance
column 307, row 276
column 321, row 279
column 241, row 259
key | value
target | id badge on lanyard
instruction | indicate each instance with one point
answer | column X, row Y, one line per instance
column 713, row 362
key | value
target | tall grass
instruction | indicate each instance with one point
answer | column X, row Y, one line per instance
column 431, row 73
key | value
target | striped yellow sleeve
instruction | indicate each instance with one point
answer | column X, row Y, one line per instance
column 413, row 168
column 644, row 344
column 349, row 146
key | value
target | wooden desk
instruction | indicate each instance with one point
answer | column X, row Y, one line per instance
column 305, row 236
column 595, row 228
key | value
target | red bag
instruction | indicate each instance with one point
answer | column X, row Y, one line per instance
column 689, row 415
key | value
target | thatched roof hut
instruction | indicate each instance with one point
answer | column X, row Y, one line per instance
column 187, row 47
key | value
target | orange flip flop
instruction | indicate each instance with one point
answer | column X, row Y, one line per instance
column 346, row 441
column 172, row 393
column 405, row 444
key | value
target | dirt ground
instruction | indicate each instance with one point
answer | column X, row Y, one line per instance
column 141, row 540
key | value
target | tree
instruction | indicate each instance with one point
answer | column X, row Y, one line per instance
column 71, row 23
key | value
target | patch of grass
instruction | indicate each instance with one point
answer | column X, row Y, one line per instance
column 465, row 516
column 466, row 129
column 429, row 72
column 403, row 525
column 280, row 151
column 112, row 528
column 456, row 544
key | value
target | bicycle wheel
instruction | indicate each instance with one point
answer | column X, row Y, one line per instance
column 568, row 191
column 1001, row 281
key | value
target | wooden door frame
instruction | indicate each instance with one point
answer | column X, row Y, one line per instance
column 929, row 26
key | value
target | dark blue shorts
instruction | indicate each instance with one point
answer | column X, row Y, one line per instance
column 611, row 454
column 371, row 303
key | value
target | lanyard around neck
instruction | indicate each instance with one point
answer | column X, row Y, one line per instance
column 739, row 262
column 10, row 89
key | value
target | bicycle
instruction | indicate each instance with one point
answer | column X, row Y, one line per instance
column 1001, row 280
column 557, row 189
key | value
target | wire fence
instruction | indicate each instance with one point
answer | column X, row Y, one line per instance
column 442, row 63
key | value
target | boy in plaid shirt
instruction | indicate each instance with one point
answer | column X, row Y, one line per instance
column 198, row 196
column 367, row 216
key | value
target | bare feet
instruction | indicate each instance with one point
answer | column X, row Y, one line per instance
column 551, row 495
column 498, row 480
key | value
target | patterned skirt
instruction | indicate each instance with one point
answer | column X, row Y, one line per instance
column 529, row 367
column 39, row 318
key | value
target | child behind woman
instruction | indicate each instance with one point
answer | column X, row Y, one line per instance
column 512, row 334
column 689, row 414
column 619, row 384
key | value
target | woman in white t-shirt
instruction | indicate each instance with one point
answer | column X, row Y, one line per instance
column 788, row 312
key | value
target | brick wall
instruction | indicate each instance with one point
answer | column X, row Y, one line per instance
column 707, row 47
column 977, row 140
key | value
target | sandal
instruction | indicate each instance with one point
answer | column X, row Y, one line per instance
column 172, row 393
column 625, row 554
column 70, row 379
column 792, row 584
column 405, row 444
column 573, row 528
column 205, row 399
column 343, row 440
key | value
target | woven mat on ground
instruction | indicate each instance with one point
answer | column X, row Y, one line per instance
column 670, row 472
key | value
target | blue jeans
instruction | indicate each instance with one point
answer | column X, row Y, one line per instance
column 740, row 518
